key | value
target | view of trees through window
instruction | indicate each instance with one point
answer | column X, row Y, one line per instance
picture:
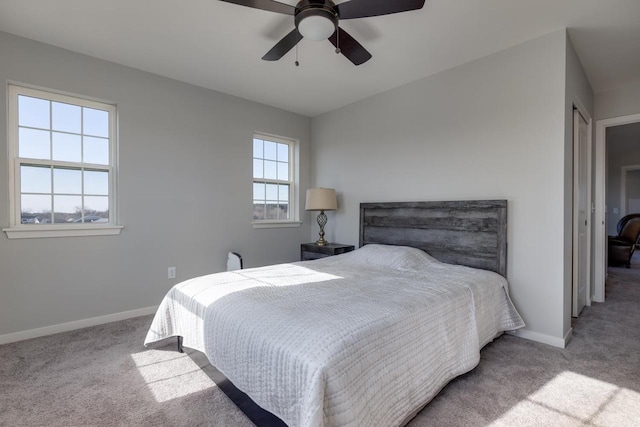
column 90, row 216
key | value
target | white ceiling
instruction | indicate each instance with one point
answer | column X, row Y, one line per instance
column 218, row 45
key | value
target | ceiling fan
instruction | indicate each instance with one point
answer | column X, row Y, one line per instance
column 318, row 20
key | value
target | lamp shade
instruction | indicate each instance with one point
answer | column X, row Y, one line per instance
column 321, row 199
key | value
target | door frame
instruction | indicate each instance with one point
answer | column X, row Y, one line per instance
column 600, row 178
column 623, row 187
column 576, row 209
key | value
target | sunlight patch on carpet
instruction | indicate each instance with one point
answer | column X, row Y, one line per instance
column 170, row 375
column 571, row 399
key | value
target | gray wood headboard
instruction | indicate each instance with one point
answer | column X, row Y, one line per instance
column 471, row 233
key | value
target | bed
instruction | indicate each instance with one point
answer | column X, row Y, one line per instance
column 365, row 338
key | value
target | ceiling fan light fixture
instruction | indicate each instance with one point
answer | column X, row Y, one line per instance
column 316, row 28
column 316, row 22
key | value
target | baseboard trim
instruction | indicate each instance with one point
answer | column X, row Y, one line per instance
column 543, row 338
column 77, row 324
column 568, row 336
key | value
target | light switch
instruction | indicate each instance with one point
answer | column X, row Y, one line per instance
column 616, row 210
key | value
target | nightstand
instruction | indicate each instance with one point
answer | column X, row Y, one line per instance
column 309, row 251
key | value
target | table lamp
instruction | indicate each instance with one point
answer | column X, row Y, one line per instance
column 321, row 199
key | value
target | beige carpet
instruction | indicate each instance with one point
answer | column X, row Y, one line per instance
column 103, row 376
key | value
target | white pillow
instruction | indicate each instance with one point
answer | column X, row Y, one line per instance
column 390, row 256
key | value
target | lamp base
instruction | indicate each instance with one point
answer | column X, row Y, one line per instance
column 321, row 242
column 322, row 221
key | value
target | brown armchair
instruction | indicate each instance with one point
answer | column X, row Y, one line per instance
column 622, row 246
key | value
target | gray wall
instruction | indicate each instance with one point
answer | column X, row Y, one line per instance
column 633, row 188
column 492, row 128
column 620, row 101
column 184, row 201
column 623, row 149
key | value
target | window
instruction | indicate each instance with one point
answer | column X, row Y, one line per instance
column 62, row 156
column 273, row 180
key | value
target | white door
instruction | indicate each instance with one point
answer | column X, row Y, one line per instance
column 581, row 213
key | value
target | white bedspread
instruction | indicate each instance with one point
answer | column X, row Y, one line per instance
column 360, row 339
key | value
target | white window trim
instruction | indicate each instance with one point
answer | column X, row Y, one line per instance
column 44, row 230
column 276, row 224
column 16, row 229
column 294, row 158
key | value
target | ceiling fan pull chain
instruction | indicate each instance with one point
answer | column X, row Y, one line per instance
column 337, row 41
column 297, row 63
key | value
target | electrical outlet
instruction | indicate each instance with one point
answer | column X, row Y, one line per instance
column 171, row 273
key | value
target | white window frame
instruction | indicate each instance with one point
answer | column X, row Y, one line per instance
column 16, row 229
column 294, row 218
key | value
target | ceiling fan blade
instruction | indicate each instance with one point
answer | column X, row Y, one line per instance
column 365, row 8
column 283, row 46
column 270, row 5
column 349, row 47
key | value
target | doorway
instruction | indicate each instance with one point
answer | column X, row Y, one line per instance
column 600, row 226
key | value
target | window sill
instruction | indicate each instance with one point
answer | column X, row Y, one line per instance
column 276, row 224
column 42, row 231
